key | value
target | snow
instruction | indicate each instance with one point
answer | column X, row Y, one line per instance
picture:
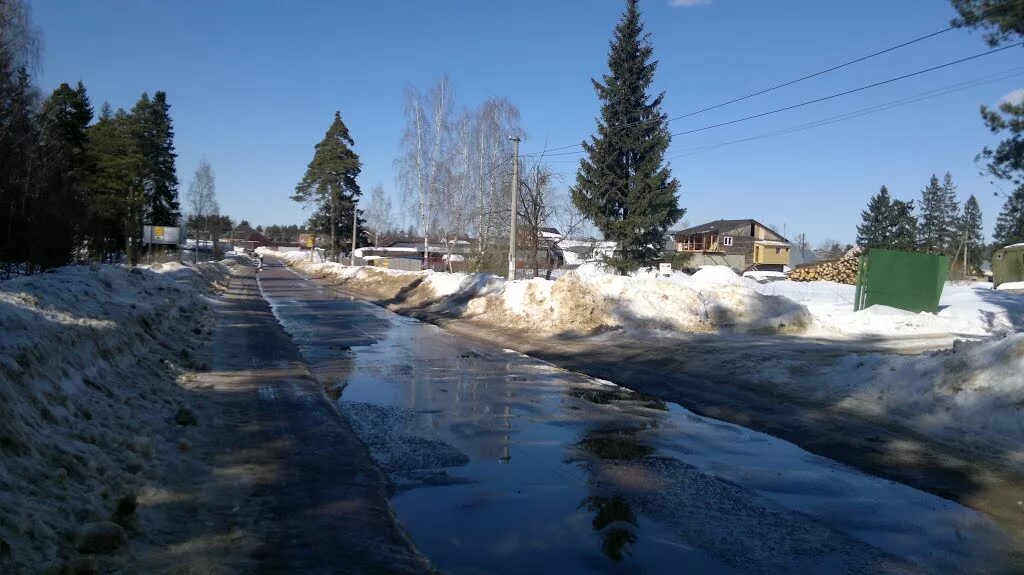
column 713, row 298
column 764, row 277
column 709, row 276
column 971, row 393
column 444, row 284
column 1011, row 285
column 965, row 309
column 91, row 366
column 590, row 299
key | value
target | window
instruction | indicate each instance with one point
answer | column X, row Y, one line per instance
column 726, row 240
column 778, row 251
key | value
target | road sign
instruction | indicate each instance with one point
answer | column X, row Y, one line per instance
column 665, row 269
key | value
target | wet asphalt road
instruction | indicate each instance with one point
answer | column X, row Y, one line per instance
column 502, row 463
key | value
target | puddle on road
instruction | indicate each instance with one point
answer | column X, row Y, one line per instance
column 504, row 464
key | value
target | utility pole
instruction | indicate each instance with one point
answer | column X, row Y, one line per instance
column 355, row 221
column 515, row 204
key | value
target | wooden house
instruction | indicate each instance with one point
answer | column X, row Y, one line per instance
column 739, row 244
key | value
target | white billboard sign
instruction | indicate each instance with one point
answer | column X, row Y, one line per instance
column 160, row 235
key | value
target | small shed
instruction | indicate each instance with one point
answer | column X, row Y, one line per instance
column 1008, row 265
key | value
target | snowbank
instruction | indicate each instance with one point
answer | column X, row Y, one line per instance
column 713, row 298
column 965, row 310
column 589, row 300
column 711, row 276
column 88, row 395
column 971, row 394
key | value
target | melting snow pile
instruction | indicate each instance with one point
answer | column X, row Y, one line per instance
column 88, row 397
column 712, row 298
column 965, row 309
column 972, row 393
column 589, row 300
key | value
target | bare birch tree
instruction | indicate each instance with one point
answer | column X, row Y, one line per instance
column 379, row 217
column 455, row 169
column 202, row 199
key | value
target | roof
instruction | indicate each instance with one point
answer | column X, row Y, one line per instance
column 773, row 244
column 1013, row 247
column 718, row 225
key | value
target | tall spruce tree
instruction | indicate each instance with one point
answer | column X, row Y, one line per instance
column 951, row 216
column 117, row 184
column 623, row 184
column 155, row 134
column 876, row 222
column 939, row 214
column 1010, row 223
column 970, row 231
column 330, row 183
column 903, row 227
column 66, row 167
column 19, row 138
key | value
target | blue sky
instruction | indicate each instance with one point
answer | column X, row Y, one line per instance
column 253, row 86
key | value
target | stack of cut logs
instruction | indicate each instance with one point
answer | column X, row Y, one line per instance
column 842, row 271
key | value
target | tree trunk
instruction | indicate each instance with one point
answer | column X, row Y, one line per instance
column 334, row 225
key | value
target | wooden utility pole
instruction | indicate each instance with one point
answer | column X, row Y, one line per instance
column 355, row 222
column 515, row 204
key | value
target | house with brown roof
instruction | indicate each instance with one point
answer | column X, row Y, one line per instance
column 739, row 244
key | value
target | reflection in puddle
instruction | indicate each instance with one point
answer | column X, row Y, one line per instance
column 606, row 396
column 614, row 521
column 618, row 446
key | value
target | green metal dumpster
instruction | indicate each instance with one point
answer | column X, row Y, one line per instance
column 1008, row 265
column 906, row 280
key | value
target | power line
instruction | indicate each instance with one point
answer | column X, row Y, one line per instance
column 937, row 92
column 831, row 96
column 848, row 92
column 778, row 86
column 944, row 91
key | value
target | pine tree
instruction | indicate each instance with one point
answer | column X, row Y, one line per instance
column 623, row 184
column 876, row 222
column 903, row 232
column 1010, row 223
column 320, row 223
column 330, row 184
column 970, row 231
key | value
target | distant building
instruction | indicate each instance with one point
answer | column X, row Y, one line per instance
column 739, row 244
column 550, row 234
column 245, row 238
column 1008, row 264
column 577, row 252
